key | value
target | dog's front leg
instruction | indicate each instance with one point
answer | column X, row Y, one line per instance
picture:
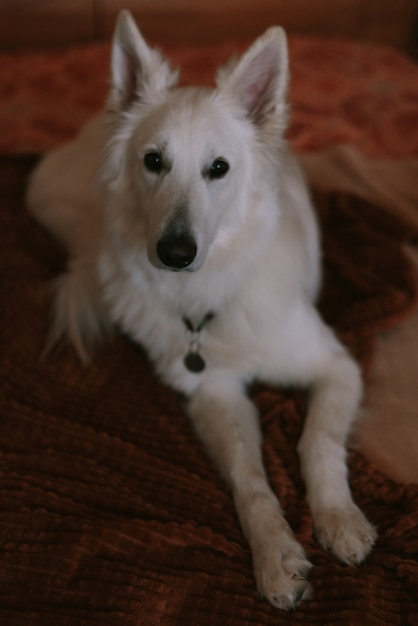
column 227, row 423
column 339, row 524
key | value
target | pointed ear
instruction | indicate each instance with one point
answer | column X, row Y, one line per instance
column 136, row 69
column 259, row 79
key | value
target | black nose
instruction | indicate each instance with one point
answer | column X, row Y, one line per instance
column 176, row 250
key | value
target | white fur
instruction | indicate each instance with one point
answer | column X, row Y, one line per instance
column 256, row 267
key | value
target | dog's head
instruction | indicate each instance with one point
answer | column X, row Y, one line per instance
column 181, row 162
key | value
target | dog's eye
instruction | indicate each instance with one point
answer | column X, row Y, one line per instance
column 218, row 168
column 153, row 162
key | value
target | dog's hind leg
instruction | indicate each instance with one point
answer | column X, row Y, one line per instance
column 339, row 524
column 227, row 423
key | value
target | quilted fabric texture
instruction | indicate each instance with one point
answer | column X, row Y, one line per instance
column 110, row 511
column 341, row 92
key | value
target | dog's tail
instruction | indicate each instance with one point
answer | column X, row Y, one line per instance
column 78, row 311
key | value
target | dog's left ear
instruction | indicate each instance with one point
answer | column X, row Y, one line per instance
column 260, row 78
column 137, row 71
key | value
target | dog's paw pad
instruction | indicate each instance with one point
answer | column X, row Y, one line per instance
column 347, row 533
column 293, row 598
column 281, row 571
column 286, row 590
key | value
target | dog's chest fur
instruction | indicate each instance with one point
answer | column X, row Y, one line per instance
column 245, row 293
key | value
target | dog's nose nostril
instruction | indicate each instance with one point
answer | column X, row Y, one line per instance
column 176, row 252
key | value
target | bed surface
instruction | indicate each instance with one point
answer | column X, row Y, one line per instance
column 110, row 511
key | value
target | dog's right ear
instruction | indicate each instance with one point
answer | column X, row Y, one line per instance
column 137, row 71
column 258, row 81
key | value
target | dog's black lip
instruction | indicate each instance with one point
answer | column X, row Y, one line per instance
column 176, row 270
column 166, row 268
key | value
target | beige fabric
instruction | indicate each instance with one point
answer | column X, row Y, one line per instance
column 387, row 182
column 388, row 435
column 389, row 430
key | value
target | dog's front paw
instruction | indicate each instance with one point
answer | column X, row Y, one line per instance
column 347, row 533
column 281, row 570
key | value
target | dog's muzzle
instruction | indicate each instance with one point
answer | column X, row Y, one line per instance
column 176, row 248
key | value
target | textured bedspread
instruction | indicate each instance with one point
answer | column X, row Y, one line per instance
column 110, row 511
column 341, row 92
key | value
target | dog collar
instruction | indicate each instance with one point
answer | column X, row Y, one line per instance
column 193, row 361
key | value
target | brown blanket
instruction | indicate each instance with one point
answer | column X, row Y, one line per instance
column 341, row 92
column 110, row 511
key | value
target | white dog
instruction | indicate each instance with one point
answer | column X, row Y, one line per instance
column 189, row 226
